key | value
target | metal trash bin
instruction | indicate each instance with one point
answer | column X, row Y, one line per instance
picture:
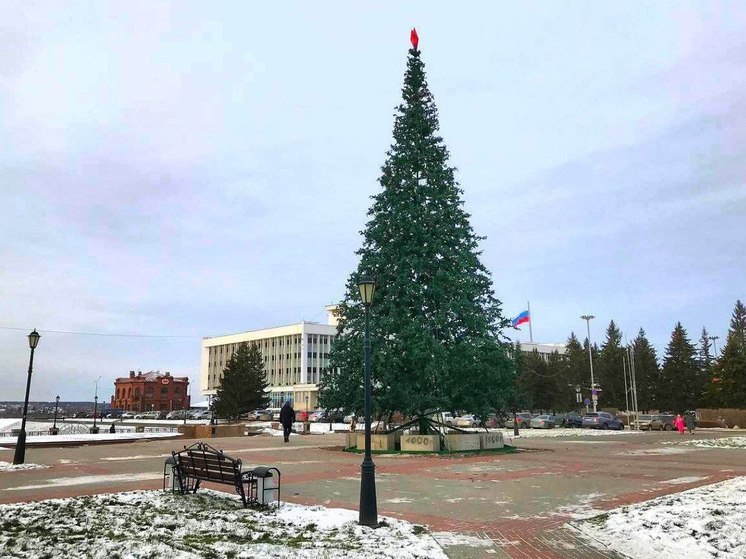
column 267, row 485
column 170, row 479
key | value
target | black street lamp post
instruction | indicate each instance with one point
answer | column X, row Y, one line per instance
column 368, row 504
column 20, row 453
column 56, row 405
column 95, row 408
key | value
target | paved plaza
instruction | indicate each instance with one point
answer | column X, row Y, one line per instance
column 500, row 506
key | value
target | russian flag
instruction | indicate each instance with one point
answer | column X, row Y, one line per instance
column 521, row 319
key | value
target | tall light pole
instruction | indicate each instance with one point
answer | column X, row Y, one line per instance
column 56, row 405
column 20, row 453
column 368, row 504
column 714, row 339
column 594, row 396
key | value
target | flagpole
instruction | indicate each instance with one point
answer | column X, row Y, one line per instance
column 530, row 320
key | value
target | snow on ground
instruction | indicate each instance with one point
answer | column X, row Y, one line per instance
column 566, row 432
column 704, row 523
column 10, row 467
column 87, row 438
column 6, row 424
column 725, row 442
column 654, row 451
column 205, row 524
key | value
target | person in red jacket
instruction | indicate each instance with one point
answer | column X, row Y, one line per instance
column 679, row 423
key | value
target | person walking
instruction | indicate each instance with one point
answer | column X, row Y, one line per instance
column 287, row 418
column 690, row 422
column 679, row 423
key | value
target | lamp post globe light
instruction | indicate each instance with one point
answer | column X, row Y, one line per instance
column 20, row 453
column 594, row 395
column 368, row 504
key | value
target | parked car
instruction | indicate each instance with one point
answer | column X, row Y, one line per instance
column 348, row 419
column 650, row 423
column 127, row 415
column 467, row 421
column 666, row 422
column 326, row 417
column 151, row 415
column 114, row 414
column 82, row 415
column 523, row 419
column 602, row 420
column 558, row 420
column 178, row 414
column 202, row 415
column 542, row 422
column 573, row 419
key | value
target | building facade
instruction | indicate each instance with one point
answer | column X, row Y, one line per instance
column 294, row 358
column 152, row 391
column 544, row 350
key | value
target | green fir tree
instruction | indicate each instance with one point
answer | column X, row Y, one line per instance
column 610, row 373
column 435, row 322
column 728, row 388
column 680, row 388
column 243, row 385
column 647, row 372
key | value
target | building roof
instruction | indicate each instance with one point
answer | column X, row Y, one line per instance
column 152, row 376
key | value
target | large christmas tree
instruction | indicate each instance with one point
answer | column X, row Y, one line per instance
column 681, row 382
column 728, row 387
column 243, row 386
column 435, row 321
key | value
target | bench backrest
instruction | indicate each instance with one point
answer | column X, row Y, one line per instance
column 209, row 465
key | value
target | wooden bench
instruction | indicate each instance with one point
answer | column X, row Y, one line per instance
column 201, row 462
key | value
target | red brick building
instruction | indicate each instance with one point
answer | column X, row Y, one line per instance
column 151, row 391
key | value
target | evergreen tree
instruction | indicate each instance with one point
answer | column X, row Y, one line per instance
column 435, row 322
column 729, row 374
column 680, row 386
column 647, row 372
column 577, row 371
column 705, row 353
column 610, row 374
column 243, row 386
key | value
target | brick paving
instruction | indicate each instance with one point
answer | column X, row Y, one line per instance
column 502, row 506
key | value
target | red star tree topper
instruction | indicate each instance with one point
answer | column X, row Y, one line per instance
column 414, row 38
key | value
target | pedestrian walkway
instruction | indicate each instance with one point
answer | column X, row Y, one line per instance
column 506, row 506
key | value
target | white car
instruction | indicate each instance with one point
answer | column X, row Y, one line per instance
column 467, row 421
column 542, row 422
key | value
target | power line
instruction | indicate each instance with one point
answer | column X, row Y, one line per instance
column 106, row 334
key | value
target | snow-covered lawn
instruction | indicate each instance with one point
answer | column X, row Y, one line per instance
column 154, row 524
column 725, row 442
column 704, row 523
column 103, row 436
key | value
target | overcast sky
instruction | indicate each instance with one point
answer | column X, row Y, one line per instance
column 192, row 169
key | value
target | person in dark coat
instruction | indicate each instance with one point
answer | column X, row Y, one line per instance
column 287, row 418
column 689, row 421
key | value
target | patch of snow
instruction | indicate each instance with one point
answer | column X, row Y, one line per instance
column 10, row 467
column 448, row 539
column 704, row 523
column 581, row 509
column 205, row 524
column 564, row 432
column 47, row 439
column 725, row 442
column 87, row 480
column 684, row 480
column 654, row 451
column 397, row 500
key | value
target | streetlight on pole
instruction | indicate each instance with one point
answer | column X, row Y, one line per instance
column 56, row 405
column 20, row 453
column 368, row 504
column 95, row 407
column 594, row 396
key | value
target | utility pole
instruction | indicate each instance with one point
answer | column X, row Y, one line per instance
column 594, row 395
column 626, row 390
column 714, row 339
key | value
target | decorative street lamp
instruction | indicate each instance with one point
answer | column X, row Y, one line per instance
column 95, row 408
column 56, row 405
column 368, row 505
column 20, row 454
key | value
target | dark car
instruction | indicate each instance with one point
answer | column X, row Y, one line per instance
column 573, row 419
column 666, row 422
column 602, row 420
column 114, row 414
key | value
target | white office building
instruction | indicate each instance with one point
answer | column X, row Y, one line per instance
column 294, row 358
column 544, row 350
